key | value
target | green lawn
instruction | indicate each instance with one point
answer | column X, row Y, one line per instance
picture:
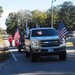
column 3, row 57
column 4, row 54
column 1, row 40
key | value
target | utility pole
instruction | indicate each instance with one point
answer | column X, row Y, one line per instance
column 26, row 23
column 52, row 12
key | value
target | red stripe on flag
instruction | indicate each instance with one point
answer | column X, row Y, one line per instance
column 17, row 35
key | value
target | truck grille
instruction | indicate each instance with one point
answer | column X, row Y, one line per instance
column 49, row 43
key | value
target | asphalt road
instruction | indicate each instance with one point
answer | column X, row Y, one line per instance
column 18, row 64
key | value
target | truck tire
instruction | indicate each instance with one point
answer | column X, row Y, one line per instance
column 33, row 57
column 19, row 48
column 62, row 55
column 27, row 53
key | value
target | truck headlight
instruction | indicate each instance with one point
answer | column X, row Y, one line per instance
column 35, row 43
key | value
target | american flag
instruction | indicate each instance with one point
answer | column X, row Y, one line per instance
column 17, row 35
column 62, row 30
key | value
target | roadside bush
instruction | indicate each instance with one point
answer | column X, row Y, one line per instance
column 1, row 39
column 4, row 54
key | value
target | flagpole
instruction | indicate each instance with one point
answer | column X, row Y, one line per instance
column 26, row 24
column 52, row 13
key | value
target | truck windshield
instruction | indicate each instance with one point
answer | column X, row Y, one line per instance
column 44, row 32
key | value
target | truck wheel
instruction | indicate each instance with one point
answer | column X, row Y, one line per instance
column 19, row 48
column 27, row 54
column 33, row 57
column 62, row 55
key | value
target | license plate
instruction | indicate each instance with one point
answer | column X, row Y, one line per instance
column 50, row 50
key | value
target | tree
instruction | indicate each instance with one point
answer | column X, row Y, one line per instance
column 66, row 14
column 24, row 16
column 55, row 16
column 1, row 11
column 18, row 19
column 11, row 23
column 36, row 14
column 39, row 17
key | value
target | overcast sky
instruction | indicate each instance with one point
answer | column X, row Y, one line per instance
column 15, row 5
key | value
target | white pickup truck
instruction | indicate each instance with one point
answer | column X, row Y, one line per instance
column 43, row 42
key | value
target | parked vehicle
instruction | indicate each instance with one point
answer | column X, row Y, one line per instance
column 44, row 42
column 70, row 34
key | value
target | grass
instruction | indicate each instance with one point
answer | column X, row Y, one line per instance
column 1, row 39
column 3, row 57
column 4, row 54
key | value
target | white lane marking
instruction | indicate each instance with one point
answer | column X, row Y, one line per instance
column 7, row 43
column 13, row 56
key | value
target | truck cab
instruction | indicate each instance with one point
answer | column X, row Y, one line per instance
column 44, row 42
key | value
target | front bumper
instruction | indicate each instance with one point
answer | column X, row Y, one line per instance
column 47, row 53
column 48, row 49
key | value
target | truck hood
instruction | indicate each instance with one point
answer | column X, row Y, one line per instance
column 45, row 38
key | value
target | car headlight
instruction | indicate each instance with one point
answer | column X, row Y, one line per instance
column 35, row 43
